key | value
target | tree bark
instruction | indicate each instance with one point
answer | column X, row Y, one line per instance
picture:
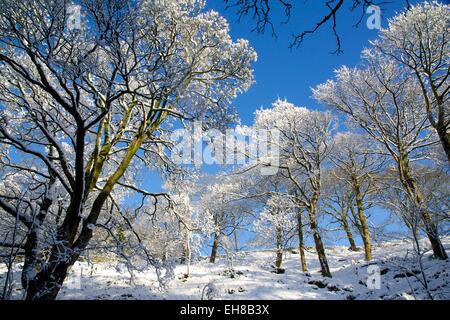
column 363, row 221
column 47, row 283
column 312, row 210
column 215, row 246
column 31, row 259
column 348, row 231
column 444, row 136
column 301, row 242
column 279, row 259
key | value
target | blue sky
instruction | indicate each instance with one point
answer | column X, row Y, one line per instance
column 285, row 73
column 281, row 72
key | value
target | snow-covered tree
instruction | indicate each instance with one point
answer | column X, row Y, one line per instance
column 434, row 188
column 358, row 160
column 175, row 228
column 303, row 148
column 419, row 39
column 82, row 104
column 387, row 104
column 276, row 224
column 338, row 203
column 194, row 223
column 224, row 197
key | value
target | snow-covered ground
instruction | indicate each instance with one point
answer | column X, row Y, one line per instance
column 253, row 277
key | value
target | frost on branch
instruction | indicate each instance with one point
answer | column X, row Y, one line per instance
column 83, row 110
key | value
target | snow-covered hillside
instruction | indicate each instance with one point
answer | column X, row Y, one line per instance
column 253, row 278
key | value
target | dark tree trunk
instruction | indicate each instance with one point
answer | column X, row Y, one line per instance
column 215, row 247
column 444, row 136
column 32, row 259
column 47, row 283
column 325, row 270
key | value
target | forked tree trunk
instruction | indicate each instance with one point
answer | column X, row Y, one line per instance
column 47, row 282
column 301, row 242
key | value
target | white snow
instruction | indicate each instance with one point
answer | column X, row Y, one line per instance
column 253, row 278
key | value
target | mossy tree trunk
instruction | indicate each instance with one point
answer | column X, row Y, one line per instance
column 365, row 232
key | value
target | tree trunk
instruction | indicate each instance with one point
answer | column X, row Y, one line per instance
column 301, row 242
column 444, row 136
column 348, row 231
column 31, row 259
column 47, row 283
column 325, row 270
column 415, row 194
column 279, row 259
column 188, row 253
column 215, row 246
column 363, row 221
